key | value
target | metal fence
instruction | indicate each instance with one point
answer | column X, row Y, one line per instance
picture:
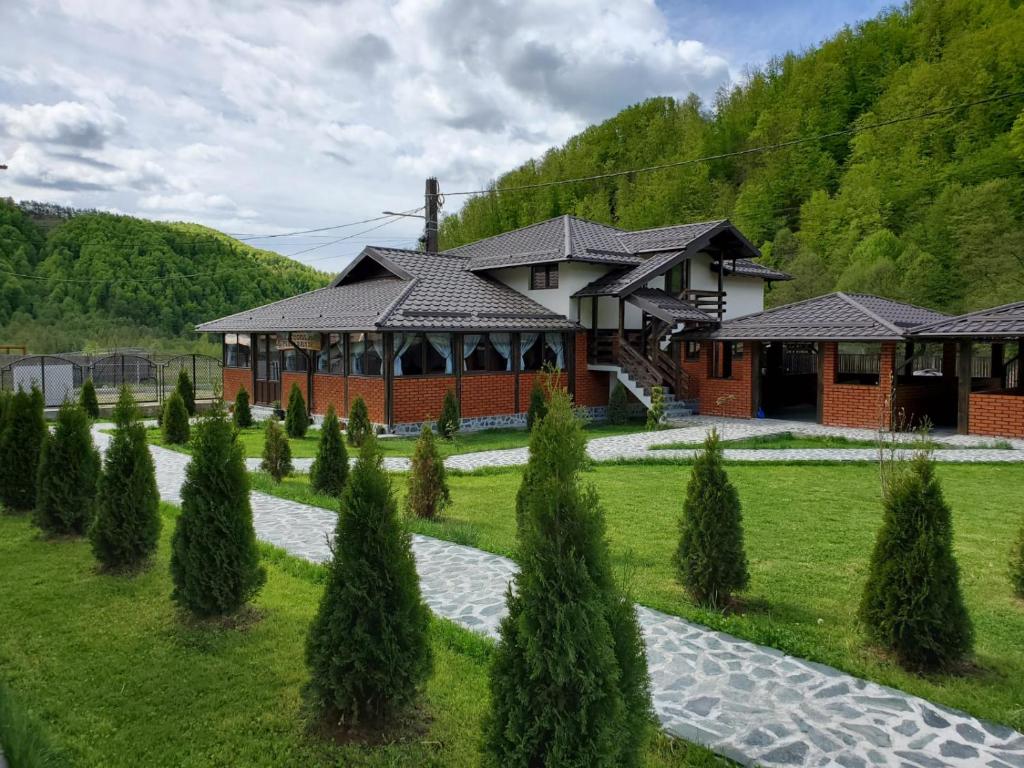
column 149, row 377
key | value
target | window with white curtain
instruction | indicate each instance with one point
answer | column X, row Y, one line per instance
column 487, row 352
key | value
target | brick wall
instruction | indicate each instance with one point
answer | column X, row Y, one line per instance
column 722, row 397
column 857, row 405
column 488, row 394
column 234, row 380
column 591, row 386
column 996, row 414
column 526, row 385
column 931, row 398
column 329, row 390
column 696, row 370
column 287, row 379
column 419, row 398
column 371, row 389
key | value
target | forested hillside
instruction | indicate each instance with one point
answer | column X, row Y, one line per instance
column 100, row 280
column 930, row 211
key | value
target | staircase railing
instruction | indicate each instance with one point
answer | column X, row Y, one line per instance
column 642, row 371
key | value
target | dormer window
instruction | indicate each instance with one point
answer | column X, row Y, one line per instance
column 543, row 276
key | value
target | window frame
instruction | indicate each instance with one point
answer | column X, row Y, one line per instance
column 692, row 350
column 542, row 341
column 348, row 367
column 720, row 360
column 327, row 345
column 226, row 344
column 548, row 271
column 852, row 379
column 489, row 353
column 425, row 347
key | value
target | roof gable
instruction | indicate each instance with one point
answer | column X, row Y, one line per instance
column 1006, row 320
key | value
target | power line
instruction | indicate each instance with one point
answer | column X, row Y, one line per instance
column 392, row 218
column 321, row 229
column 749, row 150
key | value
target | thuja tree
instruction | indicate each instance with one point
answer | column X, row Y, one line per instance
column 174, row 426
column 277, row 452
column 127, row 524
column 656, row 412
column 187, row 392
column 710, row 561
column 87, row 399
column 21, row 442
column 618, row 405
column 450, row 421
column 358, row 427
column 329, row 472
column 427, row 494
column 242, row 413
column 912, row 603
column 215, row 563
column 569, row 683
column 296, row 418
column 538, row 404
column 69, row 468
column 1017, row 564
column 368, row 649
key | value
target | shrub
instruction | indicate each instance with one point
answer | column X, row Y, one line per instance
column 450, row 421
column 127, row 524
column 174, row 425
column 358, row 427
column 277, row 453
column 1017, row 564
column 69, row 468
column 710, row 561
column 912, row 604
column 427, row 494
column 296, row 418
column 618, row 405
column 87, row 399
column 568, row 681
column 215, row 563
column 368, row 649
column 187, row 392
column 656, row 413
column 242, row 415
column 538, row 405
column 329, row 472
column 21, row 443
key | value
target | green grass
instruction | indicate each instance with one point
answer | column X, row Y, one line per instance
column 119, row 679
column 784, row 440
column 23, row 743
column 464, row 442
column 809, row 533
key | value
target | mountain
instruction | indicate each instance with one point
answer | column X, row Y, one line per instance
column 925, row 210
column 90, row 279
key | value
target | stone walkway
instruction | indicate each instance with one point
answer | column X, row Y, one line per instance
column 748, row 702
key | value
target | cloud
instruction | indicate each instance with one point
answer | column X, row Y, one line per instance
column 32, row 167
column 192, row 202
column 70, row 123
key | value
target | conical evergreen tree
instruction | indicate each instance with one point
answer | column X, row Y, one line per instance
column 1017, row 564
column 69, row 468
column 912, row 603
column 21, row 442
column 569, row 683
column 618, row 405
column 368, row 649
column 710, row 561
column 656, row 413
column 277, row 452
column 87, row 399
column 187, row 392
column 358, row 426
column 215, row 564
column 174, row 426
column 127, row 524
column 242, row 415
column 427, row 494
column 296, row 418
column 449, row 422
column 538, row 405
column 329, row 472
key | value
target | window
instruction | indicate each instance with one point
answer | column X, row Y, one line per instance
column 365, row 354
column 721, row 360
column 858, row 363
column 331, row 357
column 237, row 350
column 543, row 276
column 294, row 359
column 423, row 354
column 693, row 350
column 487, row 352
column 737, row 349
column 539, row 349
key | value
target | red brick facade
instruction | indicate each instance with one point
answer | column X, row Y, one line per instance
column 419, row 398
column 371, row 389
column 234, row 380
column 998, row 414
column 721, row 397
column 592, row 387
column 857, row 405
column 329, row 390
column 488, row 394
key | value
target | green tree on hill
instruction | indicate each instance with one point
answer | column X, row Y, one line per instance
column 68, row 471
column 329, row 471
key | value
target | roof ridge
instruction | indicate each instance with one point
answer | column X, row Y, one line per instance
column 502, row 234
column 391, row 308
column 672, row 226
column 782, row 306
column 567, row 244
column 873, row 315
column 975, row 313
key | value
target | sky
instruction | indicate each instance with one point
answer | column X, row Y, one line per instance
column 270, row 116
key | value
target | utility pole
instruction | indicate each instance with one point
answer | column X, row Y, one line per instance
column 432, row 199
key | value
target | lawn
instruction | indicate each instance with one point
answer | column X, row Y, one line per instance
column 108, row 668
column 464, row 442
column 809, row 532
column 784, row 440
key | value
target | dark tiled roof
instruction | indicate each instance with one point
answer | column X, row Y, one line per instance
column 671, row 238
column 998, row 322
column 666, row 307
column 832, row 317
column 436, row 292
column 749, row 268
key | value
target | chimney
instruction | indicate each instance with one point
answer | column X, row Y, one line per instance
column 432, row 195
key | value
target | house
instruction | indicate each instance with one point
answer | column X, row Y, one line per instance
column 400, row 328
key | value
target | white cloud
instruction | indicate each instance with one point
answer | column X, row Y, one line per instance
column 67, row 122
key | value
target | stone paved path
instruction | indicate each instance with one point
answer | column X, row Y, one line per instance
column 751, row 703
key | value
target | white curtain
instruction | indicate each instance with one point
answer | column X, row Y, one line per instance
column 402, row 343
column 357, row 358
column 557, row 344
column 526, row 341
column 442, row 342
column 502, row 342
column 469, row 342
